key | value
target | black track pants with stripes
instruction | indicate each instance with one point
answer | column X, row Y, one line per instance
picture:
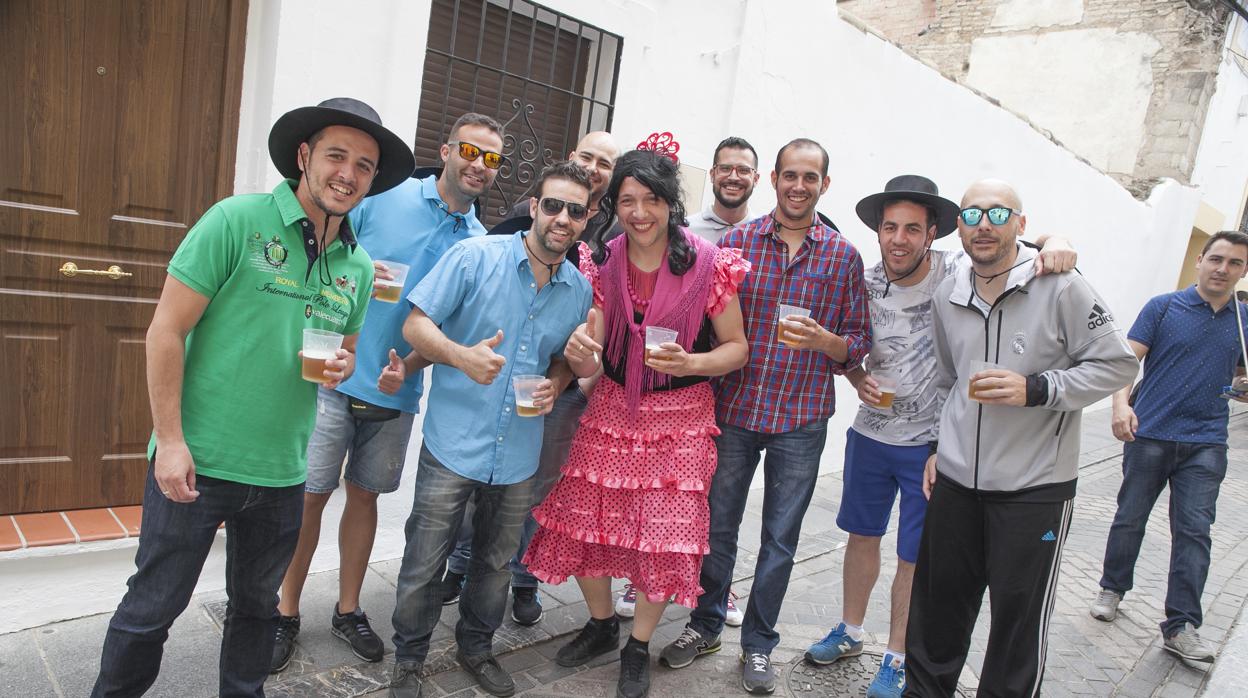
column 970, row 542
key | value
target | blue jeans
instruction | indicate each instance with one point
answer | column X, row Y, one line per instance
column 559, row 428
column 1194, row 473
column 262, row 528
column 789, row 473
column 440, row 498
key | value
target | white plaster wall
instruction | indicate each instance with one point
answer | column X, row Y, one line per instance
column 1034, row 14
column 1221, row 169
column 1090, row 87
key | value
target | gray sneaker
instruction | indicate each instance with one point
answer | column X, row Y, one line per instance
column 689, row 646
column 757, row 674
column 1187, row 644
column 1105, row 607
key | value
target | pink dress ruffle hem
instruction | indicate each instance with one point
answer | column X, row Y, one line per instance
column 632, row 502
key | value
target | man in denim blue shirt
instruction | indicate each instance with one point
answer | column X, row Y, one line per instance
column 493, row 308
column 366, row 421
column 1175, row 433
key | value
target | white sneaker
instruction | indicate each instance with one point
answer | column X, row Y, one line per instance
column 626, row 604
column 735, row 616
column 1105, row 607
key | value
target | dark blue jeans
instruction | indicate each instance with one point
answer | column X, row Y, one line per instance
column 440, row 498
column 559, row 428
column 261, row 528
column 789, row 473
column 1194, row 473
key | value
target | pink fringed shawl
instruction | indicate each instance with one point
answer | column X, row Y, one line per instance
column 679, row 303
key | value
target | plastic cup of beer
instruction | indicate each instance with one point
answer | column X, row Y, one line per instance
column 784, row 312
column 390, row 290
column 656, row 337
column 887, row 383
column 319, row 346
column 977, row 367
column 524, row 386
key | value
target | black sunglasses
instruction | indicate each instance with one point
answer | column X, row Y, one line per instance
column 471, row 152
column 997, row 215
column 552, row 207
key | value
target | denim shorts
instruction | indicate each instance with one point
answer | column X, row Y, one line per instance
column 874, row 473
column 373, row 451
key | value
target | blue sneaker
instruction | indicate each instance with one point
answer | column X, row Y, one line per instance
column 889, row 682
column 837, row 644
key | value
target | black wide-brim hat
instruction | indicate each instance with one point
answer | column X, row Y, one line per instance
column 298, row 125
column 916, row 188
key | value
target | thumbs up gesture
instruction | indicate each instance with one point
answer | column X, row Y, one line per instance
column 480, row 363
column 392, row 375
column 583, row 347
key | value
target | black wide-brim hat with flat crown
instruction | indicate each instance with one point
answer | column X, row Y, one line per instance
column 298, row 125
column 914, row 188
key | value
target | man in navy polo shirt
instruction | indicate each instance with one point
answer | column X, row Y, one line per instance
column 493, row 308
column 1175, row 433
column 366, row 421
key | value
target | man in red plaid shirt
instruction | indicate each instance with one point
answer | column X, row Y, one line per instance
column 779, row 402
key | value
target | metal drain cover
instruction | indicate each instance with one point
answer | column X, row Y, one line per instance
column 846, row 677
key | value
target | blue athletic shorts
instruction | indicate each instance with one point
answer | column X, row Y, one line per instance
column 874, row 472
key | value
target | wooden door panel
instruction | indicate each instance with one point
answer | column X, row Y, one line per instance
column 39, row 125
column 118, row 131
column 38, row 357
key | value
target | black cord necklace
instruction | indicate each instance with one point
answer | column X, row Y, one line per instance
column 988, row 279
column 888, row 283
column 549, row 267
column 789, row 227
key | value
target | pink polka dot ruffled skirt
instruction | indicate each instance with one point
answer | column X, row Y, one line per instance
column 632, row 502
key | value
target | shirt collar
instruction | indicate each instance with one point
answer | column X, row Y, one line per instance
column 520, row 256
column 429, row 189
column 817, row 232
column 1193, row 299
column 292, row 212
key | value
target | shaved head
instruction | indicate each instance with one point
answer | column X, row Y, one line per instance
column 987, row 192
column 596, row 153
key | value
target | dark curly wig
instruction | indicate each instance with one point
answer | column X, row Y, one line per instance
column 661, row 176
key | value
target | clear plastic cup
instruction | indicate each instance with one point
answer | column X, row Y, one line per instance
column 887, row 382
column 657, row 336
column 524, row 386
column 390, row 290
column 976, row 367
column 319, row 346
column 784, row 312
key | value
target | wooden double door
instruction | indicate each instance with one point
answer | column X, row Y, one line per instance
column 117, row 131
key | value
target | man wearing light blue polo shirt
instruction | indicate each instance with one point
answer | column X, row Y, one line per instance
column 492, row 308
column 366, row 421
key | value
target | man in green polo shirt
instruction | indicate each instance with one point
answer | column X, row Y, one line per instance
column 231, row 411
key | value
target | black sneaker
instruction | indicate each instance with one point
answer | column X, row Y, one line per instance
column 405, row 682
column 452, row 586
column 354, row 629
column 284, row 643
column 757, row 674
column 526, row 608
column 634, row 672
column 490, row 675
column 594, row 639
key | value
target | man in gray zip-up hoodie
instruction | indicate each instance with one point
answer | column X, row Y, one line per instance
column 1003, row 480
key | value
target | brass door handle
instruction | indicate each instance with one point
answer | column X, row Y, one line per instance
column 113, row 272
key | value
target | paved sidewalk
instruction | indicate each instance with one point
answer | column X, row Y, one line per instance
column 1086, row 657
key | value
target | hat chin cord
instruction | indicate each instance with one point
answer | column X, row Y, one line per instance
column 889, row 282
column 323, row 272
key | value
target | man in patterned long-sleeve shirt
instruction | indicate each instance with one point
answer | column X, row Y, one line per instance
column 779, row 402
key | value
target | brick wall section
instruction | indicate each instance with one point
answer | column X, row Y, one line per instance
column 1191, row 33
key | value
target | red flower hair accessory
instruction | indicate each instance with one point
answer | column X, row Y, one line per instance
column 663, row 144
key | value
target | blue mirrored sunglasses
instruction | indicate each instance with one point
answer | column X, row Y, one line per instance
column 997, row 215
